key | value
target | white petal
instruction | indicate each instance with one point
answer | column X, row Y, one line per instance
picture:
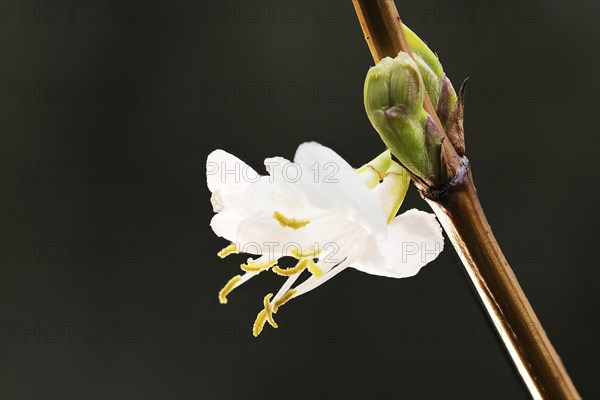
column 225, row 224
column 274, row 194
column 276, row 166
column 414, row 239
column 332, row 184
column 235, row 186
column 264, row 232
column 223, row 169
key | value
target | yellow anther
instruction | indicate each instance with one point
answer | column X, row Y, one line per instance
column 300, row 266
column 229, row 286
column 231, row 249
column 269, row 310
column 266, row 314
column 257, row 266
column 259, row 324
column 301, row 254
column 289, row 222
column 284, row 299
column 313, row 268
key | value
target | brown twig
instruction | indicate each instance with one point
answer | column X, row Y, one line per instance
column 457, row 206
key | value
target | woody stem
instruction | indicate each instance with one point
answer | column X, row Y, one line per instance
column 460, row 213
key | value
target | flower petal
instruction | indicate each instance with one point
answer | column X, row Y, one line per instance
column 274, row 194
column 230, row 179
column 276, row 166
column 263, row 232
column 225, row 224
column 414, row 239
column 332, row 184
column 223, row 169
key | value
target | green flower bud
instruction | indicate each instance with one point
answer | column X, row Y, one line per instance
column 440, row 89
column 447, row 101
column 394, row 93
column 401, row 76
column 394, row 103
column 423, row 52
column 429, row 66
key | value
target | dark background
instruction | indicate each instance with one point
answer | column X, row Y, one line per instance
column 109, row 275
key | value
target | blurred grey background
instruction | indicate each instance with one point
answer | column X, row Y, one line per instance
column 109, row 276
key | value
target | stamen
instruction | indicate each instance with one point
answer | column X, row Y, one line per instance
column 269, row 310
column 229, row 286
column 314, row 282
column 300, row 266
column 259, row 324
column 285, row 287
column 289, row 222
column 301, row 254
column 284, row 299
column 313, row 268
column 231, row 249
column 256, row 265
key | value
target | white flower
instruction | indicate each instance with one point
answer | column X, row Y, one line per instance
column 321, row 211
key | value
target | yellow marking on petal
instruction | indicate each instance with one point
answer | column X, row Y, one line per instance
column 284, row 299
column 289, row 222
column 313, row 268
column 229, row 286
column 231, row 249
column 269, row 310
column 300, row 266
column 259, row 324
column 299, row 254
column 257, row 266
